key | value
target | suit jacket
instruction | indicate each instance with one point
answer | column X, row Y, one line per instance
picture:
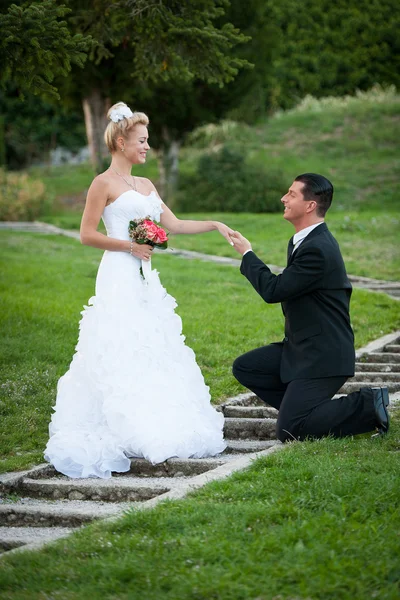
column 314, row 292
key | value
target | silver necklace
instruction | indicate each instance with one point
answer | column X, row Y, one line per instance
column 132, row 185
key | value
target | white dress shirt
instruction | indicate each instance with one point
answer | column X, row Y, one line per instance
column 301, row 235
column 298, row 237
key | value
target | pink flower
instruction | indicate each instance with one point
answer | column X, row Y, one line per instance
column 145, row 231
column 162, row 236
column 152, row 230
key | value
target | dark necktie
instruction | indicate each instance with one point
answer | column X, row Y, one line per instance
column 290, row 249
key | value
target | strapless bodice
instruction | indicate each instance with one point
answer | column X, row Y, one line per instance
column 128, row 206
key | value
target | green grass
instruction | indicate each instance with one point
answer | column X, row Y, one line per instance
column 45, row 282
column 65, row 180
column 318, row 520
column 369, row 240
column 353, row 142
column 354, row 146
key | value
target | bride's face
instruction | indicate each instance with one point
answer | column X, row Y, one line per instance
column 136, row 145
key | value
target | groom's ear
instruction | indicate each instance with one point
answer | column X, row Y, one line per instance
column 312, row 205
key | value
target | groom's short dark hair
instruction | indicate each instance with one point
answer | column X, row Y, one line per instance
column 317, row 188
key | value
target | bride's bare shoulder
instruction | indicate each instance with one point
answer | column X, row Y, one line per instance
column 100, row 185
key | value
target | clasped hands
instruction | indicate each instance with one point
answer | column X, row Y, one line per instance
column 236, row 239
column 239, row 242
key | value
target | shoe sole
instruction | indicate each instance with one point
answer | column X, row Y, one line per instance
column 385, row 396
column 385, row 401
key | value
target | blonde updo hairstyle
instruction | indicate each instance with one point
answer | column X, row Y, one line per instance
column 123, row 127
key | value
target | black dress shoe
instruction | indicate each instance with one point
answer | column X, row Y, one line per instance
column 380, row 398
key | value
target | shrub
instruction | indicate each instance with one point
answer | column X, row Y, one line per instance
column 223, row 181
column 212, row 135
column 376, row 95
column 21, row 197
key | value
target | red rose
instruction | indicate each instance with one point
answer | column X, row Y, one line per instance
column 161, row 236
column 151, row 230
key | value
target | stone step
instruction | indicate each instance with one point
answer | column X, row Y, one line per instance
column 249, row 429
column 128, row 489
column 392, row 348
column 378, row 367
column 250, row 412
column 246, row 446
column 30, row 512
column 173, row 467
column 376, row 376
column 354, row 386
column 380, row 357
column 14, row 537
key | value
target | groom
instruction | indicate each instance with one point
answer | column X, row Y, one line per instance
column 300, row 375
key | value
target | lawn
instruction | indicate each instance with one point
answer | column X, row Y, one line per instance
column 368, row 240
column 316, row 521
column 45, row 281
column 319, row 520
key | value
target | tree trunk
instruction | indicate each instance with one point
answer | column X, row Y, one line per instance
column 95, row 108
column 168, row 161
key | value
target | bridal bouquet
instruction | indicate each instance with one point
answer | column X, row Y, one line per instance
column 145, row 231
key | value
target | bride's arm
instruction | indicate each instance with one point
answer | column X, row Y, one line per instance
column 177, row 226
column 95, row 202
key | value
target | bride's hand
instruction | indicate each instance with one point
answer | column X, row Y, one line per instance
column 224, row 230
column 142, row 251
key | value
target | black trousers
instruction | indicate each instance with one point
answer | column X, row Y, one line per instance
column 306, row 408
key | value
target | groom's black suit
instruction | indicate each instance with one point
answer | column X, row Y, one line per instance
column 299, row 375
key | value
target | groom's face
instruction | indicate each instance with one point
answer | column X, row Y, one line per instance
column 294, row 203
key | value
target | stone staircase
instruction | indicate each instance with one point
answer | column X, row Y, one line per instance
column 41, row 505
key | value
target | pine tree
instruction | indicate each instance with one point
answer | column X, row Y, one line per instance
column 36, row 46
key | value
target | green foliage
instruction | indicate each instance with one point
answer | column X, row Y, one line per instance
column 32, row 128
column 36, row 46
column 21, row 197
column 332, row 48
column 351, row 140
column 142, row 41
column 224, row 181
column 180, row 41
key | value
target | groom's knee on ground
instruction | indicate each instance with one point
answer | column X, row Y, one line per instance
column 238, row 368
column 286, row 431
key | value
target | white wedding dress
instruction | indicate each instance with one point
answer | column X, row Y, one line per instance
column 133, row 388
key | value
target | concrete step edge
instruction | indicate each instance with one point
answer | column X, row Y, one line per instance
column 18, row 536
column 380, row 357
column 116, row 489
column 249, row 420
column 361, row 375
column 251, row 412
column 121, row 482
column 382, row 367
column 248, row 446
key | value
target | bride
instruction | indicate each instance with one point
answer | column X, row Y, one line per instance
column 133, row 388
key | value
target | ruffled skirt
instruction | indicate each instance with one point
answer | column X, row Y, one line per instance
column 133, row 388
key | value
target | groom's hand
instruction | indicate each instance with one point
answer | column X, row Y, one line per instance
column 239, row 242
